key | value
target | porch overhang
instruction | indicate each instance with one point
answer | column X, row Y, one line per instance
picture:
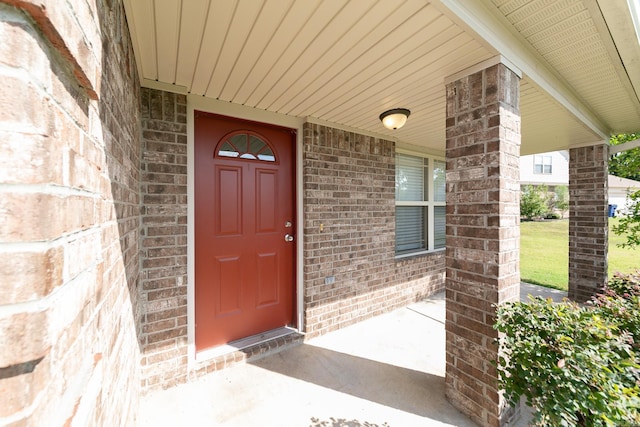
column 344, row 62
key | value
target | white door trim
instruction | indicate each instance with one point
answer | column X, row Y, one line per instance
column 241, row 112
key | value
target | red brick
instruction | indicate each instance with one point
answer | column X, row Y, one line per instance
column 30, row 275
column 364, row 258
column 164, row 196
column 588, row 221
column 477, row 231
column 66, row 141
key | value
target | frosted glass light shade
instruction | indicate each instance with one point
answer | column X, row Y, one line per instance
column 394, row 119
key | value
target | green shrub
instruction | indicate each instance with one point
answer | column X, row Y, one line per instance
column 575, row 365
column 561, row 199
column 629, row 224
column 621, row 301
column 533, row 201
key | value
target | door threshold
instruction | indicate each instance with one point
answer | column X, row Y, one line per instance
column 244, row 343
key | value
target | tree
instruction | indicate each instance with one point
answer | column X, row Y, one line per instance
column 629, row 224
column 558, row 200
column 562, row 198
column 533, row 201
column 625, row 164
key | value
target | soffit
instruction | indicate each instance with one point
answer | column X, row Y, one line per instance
column 546, row 125
column 344, row 62
column 573, row 38
column 341, row 62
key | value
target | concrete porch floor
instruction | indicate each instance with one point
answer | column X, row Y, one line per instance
column 385, row 371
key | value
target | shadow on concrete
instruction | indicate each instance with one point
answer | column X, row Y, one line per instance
column 408, row 390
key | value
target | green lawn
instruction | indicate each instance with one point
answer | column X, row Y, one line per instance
column 544, row 253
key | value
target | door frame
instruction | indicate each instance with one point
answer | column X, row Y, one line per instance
column 241, row 112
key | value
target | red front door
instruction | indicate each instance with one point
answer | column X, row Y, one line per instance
column 244, row 228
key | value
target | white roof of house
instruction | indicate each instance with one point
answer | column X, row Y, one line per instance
column 617, row 182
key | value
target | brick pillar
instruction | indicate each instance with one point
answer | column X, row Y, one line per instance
column 588, row 221
column 163, row 339
column 69, row 203
column 483, row 233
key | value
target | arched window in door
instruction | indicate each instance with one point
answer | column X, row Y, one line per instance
column 245, row 145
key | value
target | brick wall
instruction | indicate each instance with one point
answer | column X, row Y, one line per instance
column 588, row 221
column 349, row 232
column 69, row 131
column 483, row 234
column 349, row 187
column 164, row 238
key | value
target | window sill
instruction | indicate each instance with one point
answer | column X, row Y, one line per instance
column 402, row 257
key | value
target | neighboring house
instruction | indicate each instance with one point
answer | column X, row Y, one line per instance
column 188, row 184
column 619, row 188
column 552, row 169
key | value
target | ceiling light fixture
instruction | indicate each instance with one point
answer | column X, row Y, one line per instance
column 395, row 118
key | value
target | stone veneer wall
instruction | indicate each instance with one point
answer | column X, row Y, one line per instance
column 69, row 126
column 588, row 221
column 349, row 233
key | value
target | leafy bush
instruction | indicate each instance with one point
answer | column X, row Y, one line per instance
column 559, row 199
column 533, row 201
column 575, row 365
column 621, row 301
column 552, row 216
column 625, row 164
column 630, row 223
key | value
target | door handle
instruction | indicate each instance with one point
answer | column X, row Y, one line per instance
column 288, row 238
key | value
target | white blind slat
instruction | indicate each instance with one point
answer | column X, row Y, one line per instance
column 409, row 178
column 439, row 223
column 410, row 221
column 414, row 179
column 439, row 187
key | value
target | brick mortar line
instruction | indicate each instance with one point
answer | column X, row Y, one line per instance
column 34, row 247
column 44, row 303
column 27, row 411
column 31, row 80
column 59, row 190
column 61, row 241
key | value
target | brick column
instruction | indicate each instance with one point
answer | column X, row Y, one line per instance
column 483, row 233
column 69, row 202
column 164, row 238
column 588, row 221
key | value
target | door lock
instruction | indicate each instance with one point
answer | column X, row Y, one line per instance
column 288, row 238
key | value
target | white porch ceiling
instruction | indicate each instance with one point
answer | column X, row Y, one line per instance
column 345, row 62
column 568, row 34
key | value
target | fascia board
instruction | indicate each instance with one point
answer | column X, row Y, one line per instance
column 497, row 34
column 617, row 18
column 624, row 146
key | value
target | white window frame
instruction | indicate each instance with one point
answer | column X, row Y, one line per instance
column 430, row 204
column 539, row 160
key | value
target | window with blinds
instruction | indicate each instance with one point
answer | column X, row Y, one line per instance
column 420, row 204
